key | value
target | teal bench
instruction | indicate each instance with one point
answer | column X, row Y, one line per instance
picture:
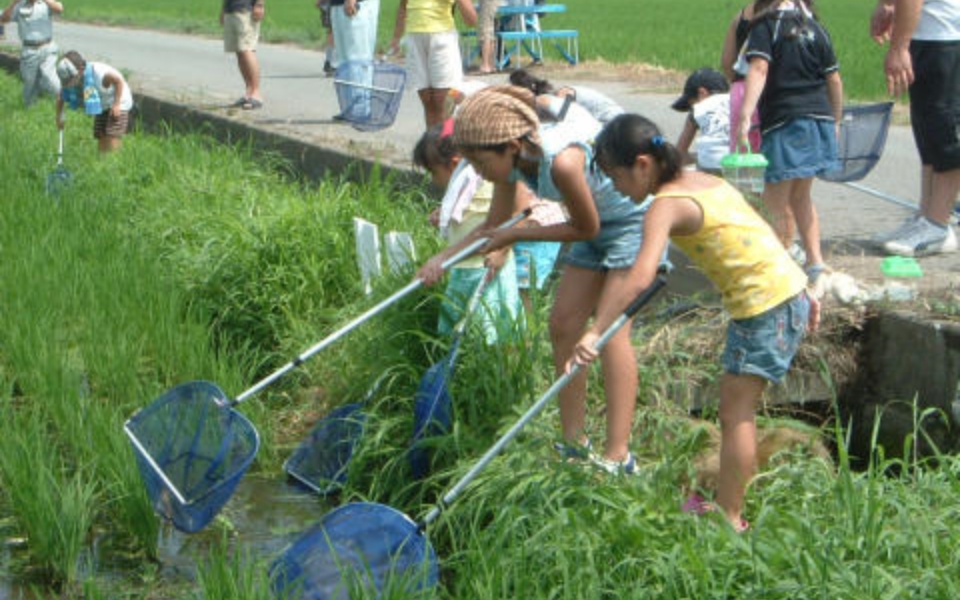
column 513, row 42
column 571, row 51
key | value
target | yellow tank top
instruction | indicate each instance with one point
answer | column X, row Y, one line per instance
column 430, row 16
column 739, row 252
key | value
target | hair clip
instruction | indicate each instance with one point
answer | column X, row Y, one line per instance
column 447, row 129
column 657, row 141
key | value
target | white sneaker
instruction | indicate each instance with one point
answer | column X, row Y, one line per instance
column 923, row 238
column 882, row 238
column 797, row 253
column 627, row 466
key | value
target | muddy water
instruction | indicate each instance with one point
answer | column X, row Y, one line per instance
column 262, row 517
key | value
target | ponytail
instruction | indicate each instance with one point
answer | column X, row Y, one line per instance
column 628, row 136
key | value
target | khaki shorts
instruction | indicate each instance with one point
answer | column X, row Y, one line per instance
column 240, row 32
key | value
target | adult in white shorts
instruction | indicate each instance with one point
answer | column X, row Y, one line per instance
column 433, row 49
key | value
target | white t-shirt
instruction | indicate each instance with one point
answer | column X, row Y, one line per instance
column 712, row 115
column 939, row 21
column 107, row 94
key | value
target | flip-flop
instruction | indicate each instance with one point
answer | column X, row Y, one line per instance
column 251, row 104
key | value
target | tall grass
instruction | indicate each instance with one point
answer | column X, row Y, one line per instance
column 680, row 36
column 54, row 500
column 228, row 573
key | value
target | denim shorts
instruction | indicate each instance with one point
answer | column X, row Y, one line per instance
column 800, row 148
column 615, row 247
column 535, row 261
column 765, row 345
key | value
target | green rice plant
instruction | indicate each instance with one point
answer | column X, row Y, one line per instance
column 94, row 329
column 227, row 573
column 54, row 507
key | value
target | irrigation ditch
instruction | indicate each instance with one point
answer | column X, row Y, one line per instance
column 907, row 362
column 890, row 372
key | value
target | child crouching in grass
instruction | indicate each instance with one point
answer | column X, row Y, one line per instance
column 763, row 289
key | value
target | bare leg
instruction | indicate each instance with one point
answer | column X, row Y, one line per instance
column 739, row 395
column 487, row 50
column 576, row 301
column 250, row 70
column 619, row 363
column 808, row 223
column 776, row 202
column 943, row 189
column 108, row 144
column 434, row 104
column 576, row 297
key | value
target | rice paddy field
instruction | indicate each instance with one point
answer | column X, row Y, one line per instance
column 177, row 260
column 664, row 33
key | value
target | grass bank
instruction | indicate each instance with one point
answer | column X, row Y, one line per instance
column 665, row 33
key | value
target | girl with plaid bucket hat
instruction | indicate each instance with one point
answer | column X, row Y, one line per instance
column 500, row 132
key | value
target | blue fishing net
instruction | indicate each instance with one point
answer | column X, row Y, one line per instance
column 369, row 93
column 354, row 550
column 431, row 415
column 321, row 461
column 863, row 134
column 192, row 449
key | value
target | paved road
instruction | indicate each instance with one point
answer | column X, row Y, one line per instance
column 300, row 101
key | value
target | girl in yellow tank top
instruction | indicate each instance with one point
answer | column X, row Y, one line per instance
column 762, row 288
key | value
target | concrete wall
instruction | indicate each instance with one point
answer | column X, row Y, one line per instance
column 907, row 386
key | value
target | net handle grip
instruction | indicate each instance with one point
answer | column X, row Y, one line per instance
column 538, row 406
column 372, row 312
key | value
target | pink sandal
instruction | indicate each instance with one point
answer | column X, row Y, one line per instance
column 698, row 505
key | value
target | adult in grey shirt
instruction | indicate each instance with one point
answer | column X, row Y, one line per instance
column 38, row 52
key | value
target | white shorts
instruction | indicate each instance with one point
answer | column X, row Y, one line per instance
column 433, row 60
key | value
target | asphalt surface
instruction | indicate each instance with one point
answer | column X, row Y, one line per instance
column 300, row 101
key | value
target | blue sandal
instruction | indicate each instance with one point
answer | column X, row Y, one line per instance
column 571, row 453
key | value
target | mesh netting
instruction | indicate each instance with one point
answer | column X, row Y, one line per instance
column 863, row 134
column 321, row 461
column 431, row 415
column 369, row 93
column 359, row 546
column 201, row 445
column 58, row 181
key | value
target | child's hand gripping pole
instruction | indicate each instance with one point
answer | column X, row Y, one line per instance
column 335, row 336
